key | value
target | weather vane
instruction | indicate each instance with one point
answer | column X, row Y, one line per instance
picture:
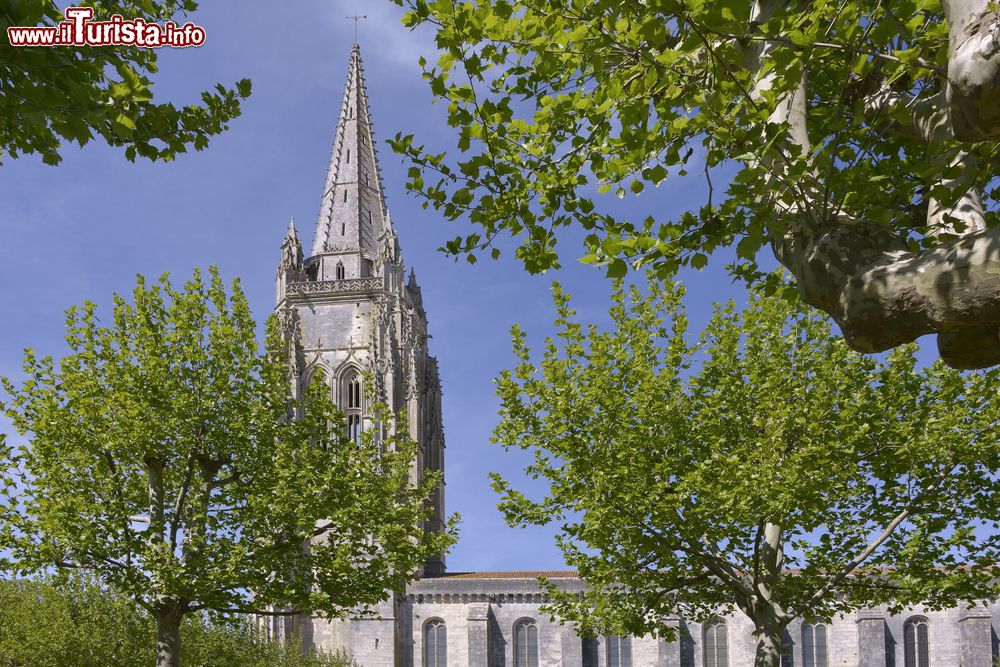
column 356, row 18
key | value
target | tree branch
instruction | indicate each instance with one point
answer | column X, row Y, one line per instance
column 176, row 519
column 872, row 546
column 248, row 610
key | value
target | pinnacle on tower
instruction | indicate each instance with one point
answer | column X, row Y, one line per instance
column 291, row 247
column 353, row 212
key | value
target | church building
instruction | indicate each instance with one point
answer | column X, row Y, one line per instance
column 353, row 314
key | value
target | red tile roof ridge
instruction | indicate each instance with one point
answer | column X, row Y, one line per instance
column 510, row 574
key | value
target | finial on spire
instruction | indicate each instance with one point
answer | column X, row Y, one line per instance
column 356, row 18
column 291, row 234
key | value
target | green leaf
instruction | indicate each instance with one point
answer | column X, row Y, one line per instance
column 617, row 269
column 125, row 121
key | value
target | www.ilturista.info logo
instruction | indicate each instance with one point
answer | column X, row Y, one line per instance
column 79, row 30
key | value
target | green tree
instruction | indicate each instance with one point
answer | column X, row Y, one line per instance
column 49, row 95
column 764, row 467
column 76, row 623
column 164, row 455
column 73, row 625
column 857, row 139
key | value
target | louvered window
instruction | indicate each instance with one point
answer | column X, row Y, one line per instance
column 350, row 403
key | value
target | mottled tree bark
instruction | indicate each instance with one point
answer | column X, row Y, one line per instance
column 168, row 635
column 973, row 68
column 769, row 619
column 881, row 293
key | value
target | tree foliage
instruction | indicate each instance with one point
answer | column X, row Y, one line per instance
column 857, row 139
column 51, row 95
column 164, row 454
column 764, row 467
column 76, row 623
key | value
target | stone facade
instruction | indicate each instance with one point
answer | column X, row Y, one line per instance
column 481, row 609
column 350, row 312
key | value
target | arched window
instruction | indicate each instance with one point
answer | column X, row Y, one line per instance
column 716, row 644
column 619, row 651
column 435, row 644
column 525, row 643
column 814, row 645
column 316, row 375
column 916, row 642
column 340, row 270
column 350, row 402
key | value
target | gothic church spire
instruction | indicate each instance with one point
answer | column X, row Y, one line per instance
column 353, row 213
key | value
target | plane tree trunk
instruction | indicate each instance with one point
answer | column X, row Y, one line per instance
column 769, row 644
column 168, row 634
column 973, row 68
column 762, row 606
column 881, row 293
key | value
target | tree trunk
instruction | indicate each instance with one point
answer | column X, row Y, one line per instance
column 769, row 644
column 168, row 637
column 864, row 276
column 764, row 610
column 973, row 68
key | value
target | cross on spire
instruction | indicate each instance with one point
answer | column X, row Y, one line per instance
column 356, row 18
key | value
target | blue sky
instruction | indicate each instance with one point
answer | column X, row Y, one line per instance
column 83, row 230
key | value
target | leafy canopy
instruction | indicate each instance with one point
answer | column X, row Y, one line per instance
column 77, row 623
column 559, row 103
column 165, row 455
column 763, row 466
column 49, row 95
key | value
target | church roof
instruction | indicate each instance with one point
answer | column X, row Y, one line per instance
column 513, row 574
column 353, row 212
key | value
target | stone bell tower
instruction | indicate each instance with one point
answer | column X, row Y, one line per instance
column 351, row 314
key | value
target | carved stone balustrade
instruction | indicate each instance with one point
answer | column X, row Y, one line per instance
column 352, row 285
